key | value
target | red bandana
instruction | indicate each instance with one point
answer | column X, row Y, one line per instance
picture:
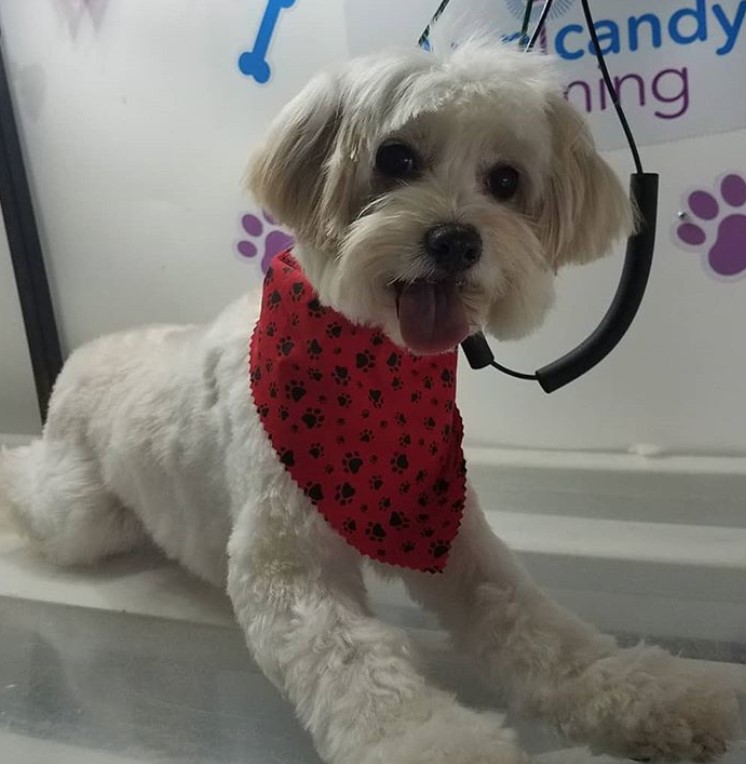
column 370, row 432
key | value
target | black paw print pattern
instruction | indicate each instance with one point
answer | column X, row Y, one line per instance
column 315, row 308
column 399, row 521
column 368, row 431
column 399, row 463
column 352, row 462
column 313, row 418
column 439, row 548
column 344, row 493
column 285, row 346
column 341, row 375
column 295, row 390
column 314, row 491
column 364, row 360
column 334, row 330
column 375, row 531
column 315, row 349
column 287, row 457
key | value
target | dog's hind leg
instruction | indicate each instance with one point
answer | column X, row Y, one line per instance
column 56, row 497
column 640, row 702
column 298, row 594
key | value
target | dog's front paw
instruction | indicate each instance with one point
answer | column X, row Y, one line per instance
column 451, row 735
column 645, row 704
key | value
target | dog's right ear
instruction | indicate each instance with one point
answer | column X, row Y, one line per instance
column 287, row 174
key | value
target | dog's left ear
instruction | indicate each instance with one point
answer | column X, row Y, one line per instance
column 584, row 208
column 287, row 174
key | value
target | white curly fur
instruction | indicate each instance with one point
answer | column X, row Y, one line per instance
column 152, row 434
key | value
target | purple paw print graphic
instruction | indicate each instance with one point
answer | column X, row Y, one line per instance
column 723, row 246
column 263, row 235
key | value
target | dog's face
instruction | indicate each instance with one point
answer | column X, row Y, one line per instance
column 435, row 197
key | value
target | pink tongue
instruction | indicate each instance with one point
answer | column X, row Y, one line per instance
column 432, row 317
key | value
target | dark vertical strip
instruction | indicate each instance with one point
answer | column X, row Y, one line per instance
column 25, row 251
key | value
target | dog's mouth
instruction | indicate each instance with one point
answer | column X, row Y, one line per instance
column 432, row 317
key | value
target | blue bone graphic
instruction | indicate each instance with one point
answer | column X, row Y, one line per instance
column 253, row 63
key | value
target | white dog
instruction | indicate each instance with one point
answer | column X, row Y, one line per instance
column 430, row 197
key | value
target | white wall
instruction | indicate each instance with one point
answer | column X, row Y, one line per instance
column 138, row 124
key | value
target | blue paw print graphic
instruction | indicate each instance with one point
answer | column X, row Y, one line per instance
column 716, row 226
column 263, row 236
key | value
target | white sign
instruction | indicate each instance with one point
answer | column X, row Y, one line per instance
column 677, row 65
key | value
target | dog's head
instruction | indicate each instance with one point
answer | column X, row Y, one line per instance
column 437, row 196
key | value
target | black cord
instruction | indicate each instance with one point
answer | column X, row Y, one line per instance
column 539, row 25
column 425, row 36
column 604, row 71
column 617, row 106
column 526, row 21
column 610, row 87
column 511, row 373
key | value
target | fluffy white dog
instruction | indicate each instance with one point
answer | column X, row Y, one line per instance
column 430, row 197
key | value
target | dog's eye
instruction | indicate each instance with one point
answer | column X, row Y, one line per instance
column 396, row 160
column 502, row 181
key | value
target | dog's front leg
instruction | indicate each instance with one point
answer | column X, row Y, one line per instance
column 297, row 591
column 638, row 702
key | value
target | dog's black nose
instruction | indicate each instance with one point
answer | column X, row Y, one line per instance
column 454, row 247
